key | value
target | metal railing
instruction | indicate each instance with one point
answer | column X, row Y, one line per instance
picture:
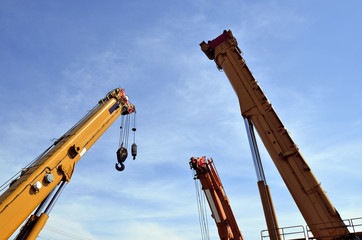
column 287, row 233
column 354, row 225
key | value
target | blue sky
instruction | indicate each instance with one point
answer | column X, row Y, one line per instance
column 58, row 58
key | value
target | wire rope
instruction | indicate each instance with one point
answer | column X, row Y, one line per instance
column 201, row 203
column 18, row 174
column 62, row 233
column 5, row 184
column 134, row 127
column 121, row 132
column 126, row 131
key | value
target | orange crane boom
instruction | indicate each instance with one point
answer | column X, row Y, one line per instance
column 215, row 194
column 319, row 213
column 55, row 167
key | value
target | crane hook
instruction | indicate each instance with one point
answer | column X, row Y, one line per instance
column 120, row 168
column 121, row 157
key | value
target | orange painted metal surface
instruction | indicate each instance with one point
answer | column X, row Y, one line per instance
column 219, row 203
column 312, row 201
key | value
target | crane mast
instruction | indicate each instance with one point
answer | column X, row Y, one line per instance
column 222, row 213
column 55, row 167
column 319, row 213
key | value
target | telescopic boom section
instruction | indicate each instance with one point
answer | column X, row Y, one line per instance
column 216, row 197
column 319, row 213
column 57, row 163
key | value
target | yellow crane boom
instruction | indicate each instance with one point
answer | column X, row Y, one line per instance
column 56, row 165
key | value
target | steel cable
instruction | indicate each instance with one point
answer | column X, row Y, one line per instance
column 201, row 203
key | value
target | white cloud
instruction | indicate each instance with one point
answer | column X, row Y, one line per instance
column 185, row 107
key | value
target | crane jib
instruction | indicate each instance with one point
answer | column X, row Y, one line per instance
column 37, row 180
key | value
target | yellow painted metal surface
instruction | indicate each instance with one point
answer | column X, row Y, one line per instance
column 24, row 195
column 38, row 227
